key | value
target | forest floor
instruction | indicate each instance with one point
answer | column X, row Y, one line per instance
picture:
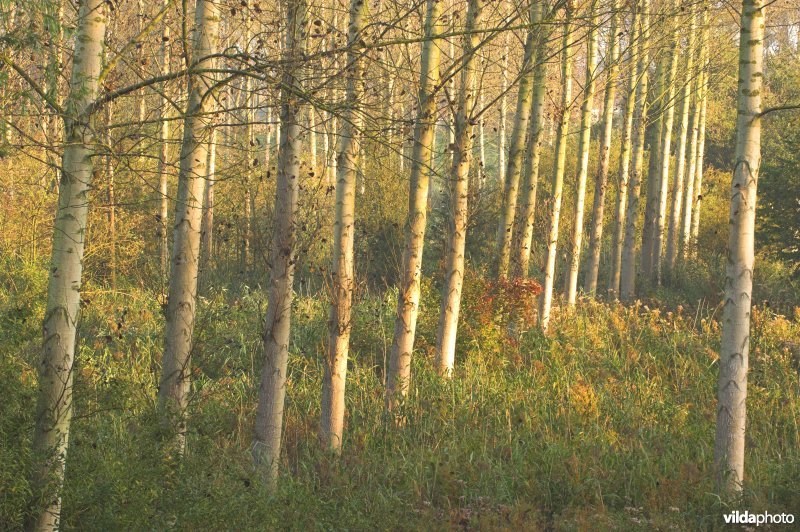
column 607, row 423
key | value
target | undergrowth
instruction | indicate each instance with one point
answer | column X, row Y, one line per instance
column 607, row 423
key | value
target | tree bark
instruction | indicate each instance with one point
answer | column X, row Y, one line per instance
column 680, row 158
column 333, row 385
column 655, row 131
column 662, row 185
column 272, row 394
column 54, row 402
column 601, row 178
column 624, row 160
column 163, row 160
column 701, row 143
column 173, row 390
column 628, row 259
column 735, row 344
column 505, row 230
column 411, row 268
column 557, row 189
column 584, row 145
column 523, row 234
column 207, row 244
column 502, row 172
column 459, row 194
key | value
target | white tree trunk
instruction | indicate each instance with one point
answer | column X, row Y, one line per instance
column 628, row 259
column 584, row 144
column 411, row 268
column 735, row 344
column 656, row 114
column 343, row 281
column 207, row 244
column 173, row 390
column 163, row 160
column 508, row 208
column 662, row 186
column 501, row 128
column 272, row 394
column 459, row 194
column 701, row 142
column 680, row 158
column 624, row 161
column 601, row 178
column 523, row 233
column 54, row 402
column 557, row 189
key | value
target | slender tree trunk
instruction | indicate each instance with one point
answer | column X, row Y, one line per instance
column 517, row 145
column 333, row 386
column 601, row 178
column 628, row 259
column 54, row 402
column 312, row 136
column 247, row 144
column 459, row 194
column 680, row 158
column 207, row 244
column 584, row 145
column 523, row 235
column 686, row 229
column 481, row 170
column 411, row 268
column 271, row 397
column 557, row 189
column 111, row 199
column 691, row 172
column 53, row 74
column 735, row 345
column 701, row 142
column 5, row 129
column 501, row 128
column 666, row 147
column 163, row 160
column 654, row 165
column 624, row 160
column 173, row 390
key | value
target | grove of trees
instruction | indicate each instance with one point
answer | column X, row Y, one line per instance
column 415, row 191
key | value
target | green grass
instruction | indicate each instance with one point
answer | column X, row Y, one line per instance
column 606, row 424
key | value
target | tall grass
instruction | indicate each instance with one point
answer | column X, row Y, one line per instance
column 607, row 423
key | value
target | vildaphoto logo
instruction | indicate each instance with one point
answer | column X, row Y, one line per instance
column 766, row 518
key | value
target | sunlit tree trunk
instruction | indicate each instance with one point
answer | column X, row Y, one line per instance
column 163, row 159
column 662, row 185
column 111, row 198
column 735, row 344
column 207, row 244
column 342, row 281
column 624, row 160
column 459, row 194
column 628, row 260
column 501, row 127
column 54, row 402
column 5, row 129
column 557, row 189
column 680, row 158
column 271, row 396
column 653, row 139
column 584, row 144
column 523, row 232
column 516, row 146
column 601, row 178
column 173, row 390
column 701, row 142
column 405, row 324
